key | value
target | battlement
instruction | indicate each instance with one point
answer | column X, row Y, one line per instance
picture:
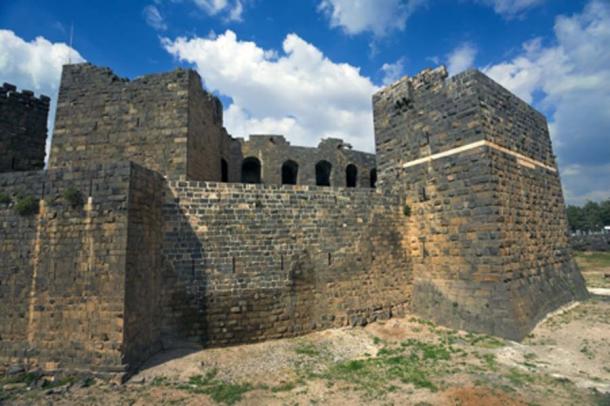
column 166, row 122
column 8, row 91
column 23, row 129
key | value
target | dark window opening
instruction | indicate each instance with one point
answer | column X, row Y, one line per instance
column 323, row 170
column 423, row 196
column 251, row 170
column 351, row 175
column 13, row 163
column 224, row 171
column 290, row 171
column 374, row 177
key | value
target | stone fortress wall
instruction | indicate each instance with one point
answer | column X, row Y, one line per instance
column 466, row 225
column 23, row 129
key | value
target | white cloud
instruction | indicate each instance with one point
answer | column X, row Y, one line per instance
column 232, row 9
column 297, row 92
column 35, row 65
column 392, row 71
column 461, row 58
column 153, row 17
column 511, row 8
column 571, row 78
column 377, row 16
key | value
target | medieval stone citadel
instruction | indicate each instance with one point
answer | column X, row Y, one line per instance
column 152, row 227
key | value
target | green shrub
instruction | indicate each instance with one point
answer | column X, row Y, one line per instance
column 26, row 205
column 406, row 210
column 74, row 198
column 4, row 198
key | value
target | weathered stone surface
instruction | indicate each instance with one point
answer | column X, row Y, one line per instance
column 252, row 262
column 273, row 152
column 23, row 129
column 488, row 233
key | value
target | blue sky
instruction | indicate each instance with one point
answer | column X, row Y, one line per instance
column 307, row 68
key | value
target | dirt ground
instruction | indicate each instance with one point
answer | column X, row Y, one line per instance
column 407, row 361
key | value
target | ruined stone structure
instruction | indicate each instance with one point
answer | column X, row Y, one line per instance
column 23, row 129
column 176, row 242
column 270, row 159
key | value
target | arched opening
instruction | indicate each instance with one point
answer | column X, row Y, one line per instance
column 251, row 170
column 290, row 171
column 224, row 171
column 374, row 177
column 323, row 170
column 351, row 175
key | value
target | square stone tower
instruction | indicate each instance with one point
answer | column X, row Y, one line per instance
column 23, row 129
column 487, row 229
column 165, row 122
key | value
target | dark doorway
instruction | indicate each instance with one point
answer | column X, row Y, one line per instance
column 224, row 171
column 351, row 175
column 251, row 170
column 374, row 177
column 290, row 172
column 323, row 170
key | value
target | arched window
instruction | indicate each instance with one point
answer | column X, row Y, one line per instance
column 351, row 175
column 290, row 171
column 374, row 177
column 224, row 171
column 251, row 170
column 323, row 170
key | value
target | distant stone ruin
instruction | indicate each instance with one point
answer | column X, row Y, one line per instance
column 153, row 228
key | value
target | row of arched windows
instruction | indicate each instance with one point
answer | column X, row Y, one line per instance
column 251, row 173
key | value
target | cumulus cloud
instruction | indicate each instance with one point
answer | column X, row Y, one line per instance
column 232, row 9
column 35, row 65
column 377, row 16
column 296, row 91
column 392, row 71
column 571, row 78
column 461, row 58
column 153, row 17
column 511, row 8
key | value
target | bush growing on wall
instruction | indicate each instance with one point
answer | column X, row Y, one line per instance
column 26, row 205
column 73, row 197
column 4, row 198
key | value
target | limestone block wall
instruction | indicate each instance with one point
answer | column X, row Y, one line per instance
column 164, row 122
column 77, row 289
column 23, row 129
column 254, row 262
column 274, row 150
column 488, row 231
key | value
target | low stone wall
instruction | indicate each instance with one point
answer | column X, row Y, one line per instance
column 591, row 242
column 254, row 262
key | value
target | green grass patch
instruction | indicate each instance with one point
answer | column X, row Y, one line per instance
column 484, row 341
column 284, row 387
column 519, row 378
column 412, row 362
column 308, row 349
column 220, row 391
column 592, row 259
